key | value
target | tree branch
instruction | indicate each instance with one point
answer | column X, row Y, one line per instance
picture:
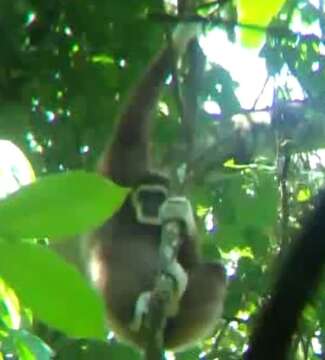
column 163, row 292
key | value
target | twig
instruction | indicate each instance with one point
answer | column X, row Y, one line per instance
column 174, row 72
column 261, row 92
column 278, row 31
column 283, row 181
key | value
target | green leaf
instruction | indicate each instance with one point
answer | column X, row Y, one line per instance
column 30, row 344
column 229, row 236
column 102, row 59
column 191, row 354
column 258, row 13
column 54, row 290
column 60, row 205
column 9, row 307
column 24, row 352
column 256, row 201
column 94, row 350
column 304, row 194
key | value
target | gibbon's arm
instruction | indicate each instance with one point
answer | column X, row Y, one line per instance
column 297, row 281
column 126, row 160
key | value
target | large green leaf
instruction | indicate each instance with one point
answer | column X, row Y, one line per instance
column 9, row 307
column 26, row 345
column 60, row 205
column 54, row 290
column 260, row 208
column 258, row 13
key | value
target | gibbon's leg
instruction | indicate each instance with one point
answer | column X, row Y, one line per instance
column 200, row 306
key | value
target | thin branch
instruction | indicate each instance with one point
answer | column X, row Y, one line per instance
column 312, row 103
column 278, row 31
column 261, row 92
column 192, row 85
column 305, row 346
column 174, row 72
column 163, row 292
column 284, row 159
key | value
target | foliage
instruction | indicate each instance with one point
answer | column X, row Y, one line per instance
column 40, row 210
column 56, row 205
column 256, row 13
column 20, row 267
column 65, row 70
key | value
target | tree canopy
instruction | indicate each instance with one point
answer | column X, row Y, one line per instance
column 66, row 69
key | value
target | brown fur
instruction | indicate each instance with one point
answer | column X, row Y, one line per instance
column 125, row 253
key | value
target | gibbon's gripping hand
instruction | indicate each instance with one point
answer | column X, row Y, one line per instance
column 179, row 208
column 179, row 276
